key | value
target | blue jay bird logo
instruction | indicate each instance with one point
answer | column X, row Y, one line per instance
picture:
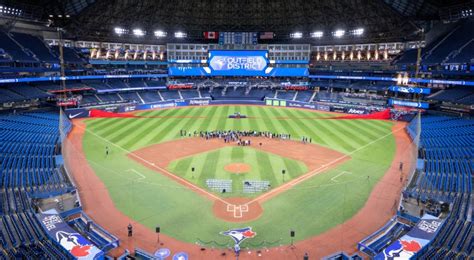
column 239, row 234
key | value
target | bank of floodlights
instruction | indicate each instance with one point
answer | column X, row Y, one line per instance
column 160, row 34
column 358, row 31
column 180, row 34
column 10, row 11
column 120, row 31
column 338, row 33
column 317, row 34
column 296, row 35
column 139, row 32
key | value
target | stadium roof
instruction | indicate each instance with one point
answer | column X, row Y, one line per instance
column 383, row 20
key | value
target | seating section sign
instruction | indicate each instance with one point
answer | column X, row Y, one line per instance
column 418, row 237
column 73, row 242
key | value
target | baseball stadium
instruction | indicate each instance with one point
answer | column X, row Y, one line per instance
column 224, row 129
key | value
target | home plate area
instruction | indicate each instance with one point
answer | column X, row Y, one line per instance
column 237, row 210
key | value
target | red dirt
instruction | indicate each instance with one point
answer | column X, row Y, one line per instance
column 379, row 208
column 237, row 168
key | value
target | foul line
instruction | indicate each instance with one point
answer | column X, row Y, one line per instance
column 139, row 174
column 318, row 170
column 157, row 167
column 340, row 174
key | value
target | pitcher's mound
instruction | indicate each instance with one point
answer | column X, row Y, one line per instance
column 237, row 168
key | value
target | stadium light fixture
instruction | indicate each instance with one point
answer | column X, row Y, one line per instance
column 338, row 33
column 358, row 31
column 10, row 10
column 160, row 34
column 296, row 35
column 317, row 34
column 119, row 30
column 466, row 12
column 180, row 35
column 138, row 32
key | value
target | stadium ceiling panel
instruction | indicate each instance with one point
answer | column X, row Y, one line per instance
column 383, row 20
column 282, row 17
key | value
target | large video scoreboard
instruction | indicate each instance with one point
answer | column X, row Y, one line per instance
column 237, row 63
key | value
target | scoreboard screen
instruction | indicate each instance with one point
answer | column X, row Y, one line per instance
column 245, row 63
column 238, row 63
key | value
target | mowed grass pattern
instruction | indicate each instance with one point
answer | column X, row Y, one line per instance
column 312, row 207
column 264, row 167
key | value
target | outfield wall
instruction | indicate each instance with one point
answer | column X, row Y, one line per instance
column 328, row 107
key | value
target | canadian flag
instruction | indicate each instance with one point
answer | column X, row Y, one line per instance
column 210, row 35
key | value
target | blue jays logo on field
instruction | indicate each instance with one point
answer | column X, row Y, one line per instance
column 77, row 245
column 239, row 234
column 401, row 249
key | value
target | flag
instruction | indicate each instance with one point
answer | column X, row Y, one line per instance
column 210, row 35
column 266, row 35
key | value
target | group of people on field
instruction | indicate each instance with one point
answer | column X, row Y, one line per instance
column 230, row 136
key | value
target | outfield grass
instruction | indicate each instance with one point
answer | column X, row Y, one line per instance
column 264, row 166
column 310, row 208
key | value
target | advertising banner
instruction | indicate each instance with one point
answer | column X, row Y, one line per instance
column 356, row 111
column 405, row 103
column 84, row 112
column 77, row 113
column 402, row 89
column 73, row 242
column 411, row 243
column 300, row 104
column 183, row 71
column 57, row 78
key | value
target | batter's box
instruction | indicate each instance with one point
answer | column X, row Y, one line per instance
column 230, row 208
column 244, row 208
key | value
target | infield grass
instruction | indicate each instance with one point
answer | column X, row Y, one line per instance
column 264, row 166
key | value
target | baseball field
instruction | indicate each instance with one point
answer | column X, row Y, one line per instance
column 156, row 176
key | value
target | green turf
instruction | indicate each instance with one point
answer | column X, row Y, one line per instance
column 312, row 207
column 264, row 167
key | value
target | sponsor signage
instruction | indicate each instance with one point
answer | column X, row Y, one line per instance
column 339, row 109
column 182, row 71
column 323, row 107
column 411, row 90
column 57, row 78
column 295, row 87
column 180, row 86
column 83, row 112
column 410, row 80
column 418, row 237
column 199, row 102
column 405, row 103
column 76, row 113
column 301, row 105
column 73, row 242
column 357, row 111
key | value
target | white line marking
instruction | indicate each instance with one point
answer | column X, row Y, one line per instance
column 340, row 174
column 139, row 174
